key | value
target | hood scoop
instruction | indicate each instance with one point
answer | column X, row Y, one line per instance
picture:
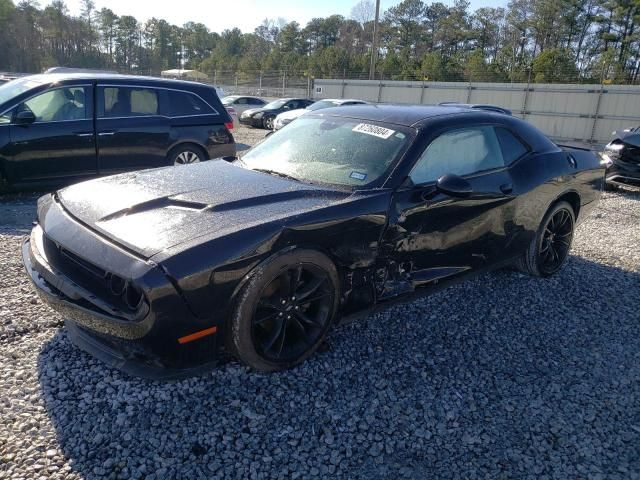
column 154, row 204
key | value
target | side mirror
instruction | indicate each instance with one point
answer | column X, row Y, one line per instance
column 230, row 158
column 454, row 186
column 25, row 117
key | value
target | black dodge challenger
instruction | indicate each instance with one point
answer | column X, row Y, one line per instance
column 164, row 272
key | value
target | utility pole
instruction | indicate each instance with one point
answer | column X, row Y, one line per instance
column 374, row 43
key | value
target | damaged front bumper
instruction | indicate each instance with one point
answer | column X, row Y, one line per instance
column 139, row 344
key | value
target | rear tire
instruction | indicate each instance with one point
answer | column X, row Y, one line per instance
column 285, row 310
column 186, row 155
column 549, row 249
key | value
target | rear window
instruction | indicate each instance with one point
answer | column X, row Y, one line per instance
column 185, row 104
column 512, row 148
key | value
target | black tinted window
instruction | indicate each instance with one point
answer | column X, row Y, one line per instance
column 129, row 101
column 459, row 152
column 183, row 104
column 256, row 101
column 512, row 148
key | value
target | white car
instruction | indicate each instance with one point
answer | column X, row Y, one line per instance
column 240, row 103
column 286, row 118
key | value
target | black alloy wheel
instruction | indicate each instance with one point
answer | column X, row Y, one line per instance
column 285, row 310
column 293, row 312
column 549, row 249
column 556, row 241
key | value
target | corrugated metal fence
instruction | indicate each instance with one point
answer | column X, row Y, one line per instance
column 571, row 113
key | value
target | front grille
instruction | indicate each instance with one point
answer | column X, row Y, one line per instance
column 117, row 292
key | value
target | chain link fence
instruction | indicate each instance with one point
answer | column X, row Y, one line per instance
column 264, row 83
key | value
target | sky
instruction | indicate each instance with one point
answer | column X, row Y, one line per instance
column 219, row 15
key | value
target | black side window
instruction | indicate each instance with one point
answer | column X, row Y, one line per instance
column 459, row 152
column 129, row 101
column 512, row 148
column 184, row 104
column 256, row 101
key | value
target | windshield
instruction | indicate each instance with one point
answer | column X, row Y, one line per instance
column 339, row 151
column 274, row 105
column 322, row 104
column 16, row 87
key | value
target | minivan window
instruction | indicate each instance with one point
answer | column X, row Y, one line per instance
column 58, row 105
column 130, row 101
column 185, row 104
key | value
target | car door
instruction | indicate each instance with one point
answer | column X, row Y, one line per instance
column 440, row 234
column 132, row 128
column 52, row 136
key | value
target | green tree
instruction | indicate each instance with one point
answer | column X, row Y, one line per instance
column 555, row 65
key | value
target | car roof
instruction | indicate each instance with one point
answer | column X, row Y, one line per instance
column 61, row 77
column 400, row 114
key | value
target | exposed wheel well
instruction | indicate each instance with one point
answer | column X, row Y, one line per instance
column 200, row 148
column 573, row 199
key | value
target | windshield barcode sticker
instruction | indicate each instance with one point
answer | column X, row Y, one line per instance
column 374, row 130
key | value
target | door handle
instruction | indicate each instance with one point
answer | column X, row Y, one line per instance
column 84, row 134
column 107, row 133
column 506, row 188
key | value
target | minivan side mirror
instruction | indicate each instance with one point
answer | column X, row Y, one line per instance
column 454, row 186
column 25, row 117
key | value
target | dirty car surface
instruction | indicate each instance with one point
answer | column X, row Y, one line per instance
column 162, row 273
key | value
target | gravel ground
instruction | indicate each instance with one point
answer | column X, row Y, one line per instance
column 505, row 376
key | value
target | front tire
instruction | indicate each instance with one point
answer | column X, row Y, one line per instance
column 284, row 312
column 549, row 249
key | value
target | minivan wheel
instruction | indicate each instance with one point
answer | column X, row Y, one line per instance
column 186, row 155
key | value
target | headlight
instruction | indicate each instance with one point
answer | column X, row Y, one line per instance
column 258, row 115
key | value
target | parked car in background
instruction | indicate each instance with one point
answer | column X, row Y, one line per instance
column 265, row 116
column 242, row 102
column 66, row 127
column 7, row 77
column 165, row 272
column 234, row 115
column 286, row 118
column 622, row 157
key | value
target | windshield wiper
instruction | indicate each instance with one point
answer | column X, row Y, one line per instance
column 275, row 172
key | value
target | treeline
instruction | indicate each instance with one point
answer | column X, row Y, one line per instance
column 535, row 40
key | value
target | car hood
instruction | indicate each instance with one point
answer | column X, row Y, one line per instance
column 292, row 114
column 151, row 211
